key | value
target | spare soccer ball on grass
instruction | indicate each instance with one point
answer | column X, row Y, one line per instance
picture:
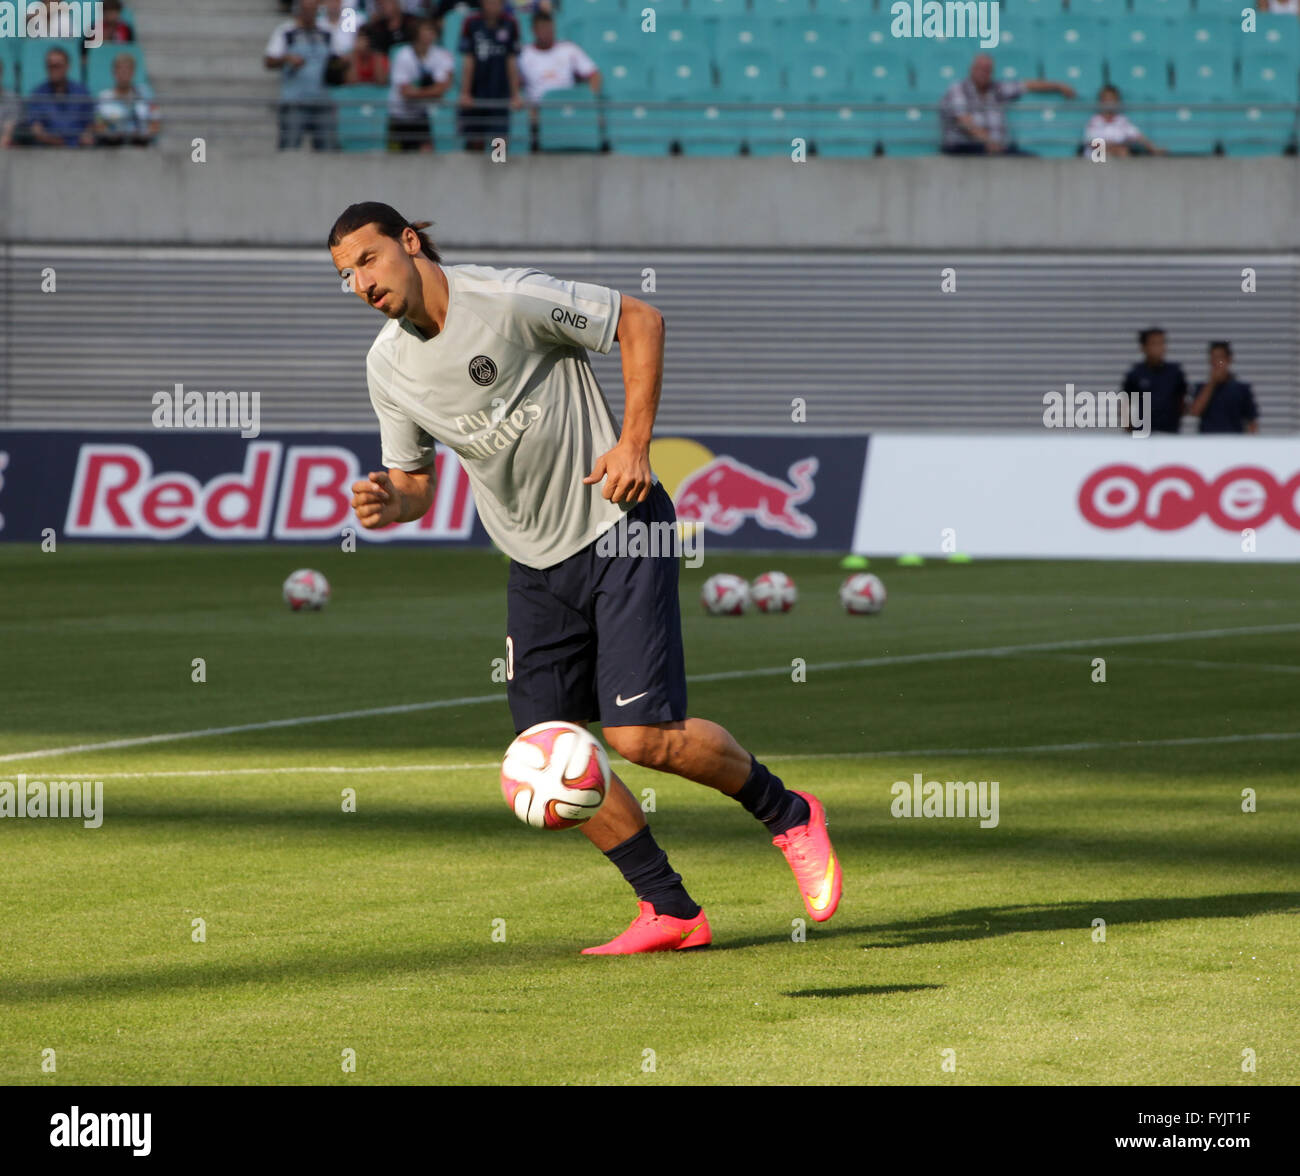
column 555, row 776
column 725, row 595
column 862, row 594
column 773, row 592
column 306, row 589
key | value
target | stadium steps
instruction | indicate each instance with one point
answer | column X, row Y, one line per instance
column 196, row 54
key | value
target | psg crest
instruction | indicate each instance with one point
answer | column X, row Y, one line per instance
column 482, row 370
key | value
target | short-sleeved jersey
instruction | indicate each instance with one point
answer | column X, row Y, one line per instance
column 508, row 385
column 560, row 67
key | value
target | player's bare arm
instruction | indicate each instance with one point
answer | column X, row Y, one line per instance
column 398, row 496
column 626, row 467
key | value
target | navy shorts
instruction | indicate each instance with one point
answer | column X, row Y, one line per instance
column 598, row 637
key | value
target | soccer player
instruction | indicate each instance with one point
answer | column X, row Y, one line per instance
column 493, row 363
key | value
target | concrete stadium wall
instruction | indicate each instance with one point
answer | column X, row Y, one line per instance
column 575, row 201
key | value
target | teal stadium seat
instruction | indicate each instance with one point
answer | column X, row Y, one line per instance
column 1269, row 77
column 773, row 127
column 677, row 29
column 718, row 7
column 1047, row 128
column 906, row 132
column 747, row 32
column 446, row 132
column 684, row 73
column 9, row 47
column 1104, row 10
column 640, row 128
column 362, row 117
column 1275, row 32
column 598, row 31
column 1169, row 9
column 714, row 129
column 31, row 59
column 815, row 30
column 1072, row 33
column 936, row 66
column 1148, row 33
column 1182, row 130
column 749, row 75
column 572, row 9
column 1035, row 10
column 784, row 9
column 1142, row 75
column 880, row 75
column 1256, row 130
column 847, row 131
column 569, row 120
column 817, row 74
column 626, row 74
column 1015, row 65
column 1204, row 75
column 99, row 66
column 1205, row 32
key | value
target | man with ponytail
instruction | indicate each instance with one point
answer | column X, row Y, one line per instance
column 493, row 363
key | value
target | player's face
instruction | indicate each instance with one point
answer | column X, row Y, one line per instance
column 1154, row 349
column 382, row 271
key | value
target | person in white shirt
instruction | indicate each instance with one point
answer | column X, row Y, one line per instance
column 548, row 64
column 421, row 74
column 341, row 22
column 1113, row 127
column 123, row 114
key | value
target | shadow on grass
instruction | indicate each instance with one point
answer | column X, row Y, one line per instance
column 864, row 990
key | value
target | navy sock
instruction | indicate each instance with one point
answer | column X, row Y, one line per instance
column 772, row 802
column 646, row 868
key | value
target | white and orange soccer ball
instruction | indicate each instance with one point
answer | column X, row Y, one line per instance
column 773, row 592
column 555, row 776
column 725, row 595
column 306, row 589
column 862, row 594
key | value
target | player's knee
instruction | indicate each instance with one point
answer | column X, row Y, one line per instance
column 647, row 747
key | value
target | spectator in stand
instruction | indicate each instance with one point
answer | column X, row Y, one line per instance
column 1164, row 384
column 123, row 114
column 59, row 111
column 365, row 67
column 300, row 50
column 517, row 9
column 422, row 74
column 548, row 64
column 1112, row 126
column 1224, row 403
column 115, row 30
column 971, row 112
column 390, row 26
column 340, row 23
column 489, row 83
column 11, row 114
column 1280, row 7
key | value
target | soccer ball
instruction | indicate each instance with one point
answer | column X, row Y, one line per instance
column 863, row 593
column 555, row 776
column 725, row 595
column 773, row 592
column 306, row 589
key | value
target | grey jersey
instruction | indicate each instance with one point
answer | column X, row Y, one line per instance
column 508, row 385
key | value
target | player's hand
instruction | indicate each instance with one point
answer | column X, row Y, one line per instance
column 375, row 501
column 626, row 470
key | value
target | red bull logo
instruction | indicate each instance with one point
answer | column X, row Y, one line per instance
column 724, row 493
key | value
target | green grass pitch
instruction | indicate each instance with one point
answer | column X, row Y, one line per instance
column 373, row 931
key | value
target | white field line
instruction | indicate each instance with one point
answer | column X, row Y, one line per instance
column 1093, row 643
column 897, row 753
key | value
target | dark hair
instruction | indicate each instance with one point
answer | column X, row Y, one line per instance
column 1143, row 336
column 387, row 220
column 61, row 51
column 1109, row 89
column 1222, row 343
